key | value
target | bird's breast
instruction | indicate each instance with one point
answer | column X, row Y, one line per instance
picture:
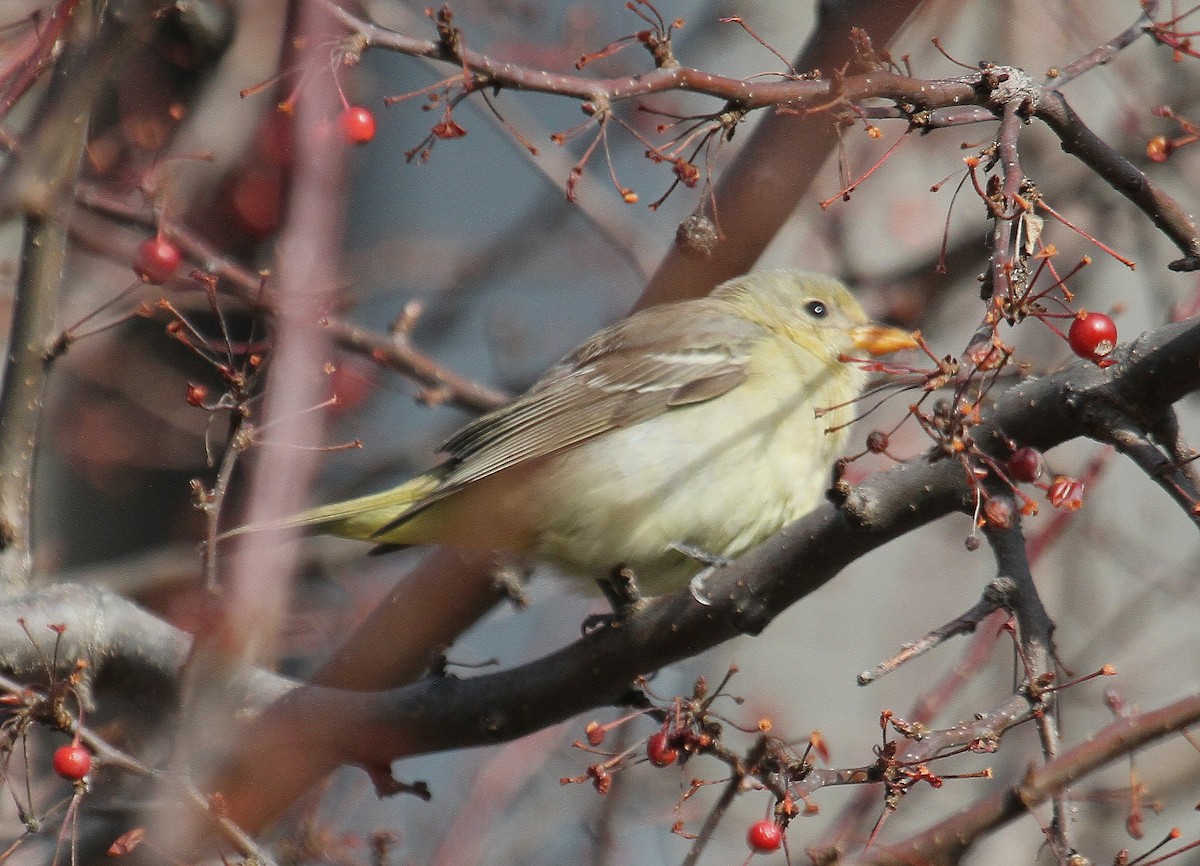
column 720, row 475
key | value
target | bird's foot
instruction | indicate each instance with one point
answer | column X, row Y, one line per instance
column 702, row 556
column 509, row 580
column 621, row 590
column 711, row 562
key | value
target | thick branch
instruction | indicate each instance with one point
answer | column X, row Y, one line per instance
column 440, row 713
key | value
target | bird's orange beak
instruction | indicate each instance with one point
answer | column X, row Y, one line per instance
column 882, row 339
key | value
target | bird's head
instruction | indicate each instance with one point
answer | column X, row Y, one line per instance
column 812, row 310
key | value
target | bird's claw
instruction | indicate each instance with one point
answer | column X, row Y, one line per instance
column 710, row 561
column 704, row 557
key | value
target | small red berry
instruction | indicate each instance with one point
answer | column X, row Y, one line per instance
column 764, row 836
column 660, row 751
column 1092, row 336
column 1025, row 464
column 357, row 123
column 72, row 762
column 878, row 441
column 157, row 260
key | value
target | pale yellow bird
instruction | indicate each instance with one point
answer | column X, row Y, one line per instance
column 688, row 425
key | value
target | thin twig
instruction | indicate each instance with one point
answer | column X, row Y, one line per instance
column 1123, row 176
column 960, row 831
column 991, row 601
column 711, row 820
column 1102, row 54
column 399, row 355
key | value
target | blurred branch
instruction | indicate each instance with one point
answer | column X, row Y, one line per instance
column 260, row 292
column 398, row 353
column 291, row 427
column 120, row 643
column 27, row 65
column 45, row 172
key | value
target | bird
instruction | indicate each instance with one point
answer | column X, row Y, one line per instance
column 682, row 435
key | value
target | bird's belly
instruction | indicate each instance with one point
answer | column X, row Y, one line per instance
column 690, row 476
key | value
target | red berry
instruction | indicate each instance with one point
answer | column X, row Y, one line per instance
column 72, row 762
column 351, row 383
column 764, row 836
column 1092, row 336
column 878, row 441
column 358, row 124
column 257, row 200
column 157, row 260
column 660, row 751
column 1025, row 464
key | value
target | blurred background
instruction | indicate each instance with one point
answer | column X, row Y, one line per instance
column 510, row 276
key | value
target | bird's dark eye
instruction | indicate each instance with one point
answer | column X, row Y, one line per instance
column 816, row 309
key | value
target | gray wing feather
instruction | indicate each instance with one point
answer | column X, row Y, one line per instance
column 637, row 369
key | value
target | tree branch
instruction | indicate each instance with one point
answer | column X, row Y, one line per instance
column 45, row 180
column 955, row 835
column 1122, row 175
column 438, row 713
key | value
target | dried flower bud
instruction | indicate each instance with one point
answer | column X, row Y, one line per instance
column 697, row 236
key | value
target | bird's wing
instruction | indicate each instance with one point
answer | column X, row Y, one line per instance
column 656, row 360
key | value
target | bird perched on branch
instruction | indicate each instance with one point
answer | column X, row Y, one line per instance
column 690, row 426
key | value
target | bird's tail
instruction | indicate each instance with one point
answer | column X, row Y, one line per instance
column 364, row 518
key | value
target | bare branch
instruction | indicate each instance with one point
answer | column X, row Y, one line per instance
column 438, row 713
column 991, row 601
column 401, row 356
column 957, row 834
column 1126, row 178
